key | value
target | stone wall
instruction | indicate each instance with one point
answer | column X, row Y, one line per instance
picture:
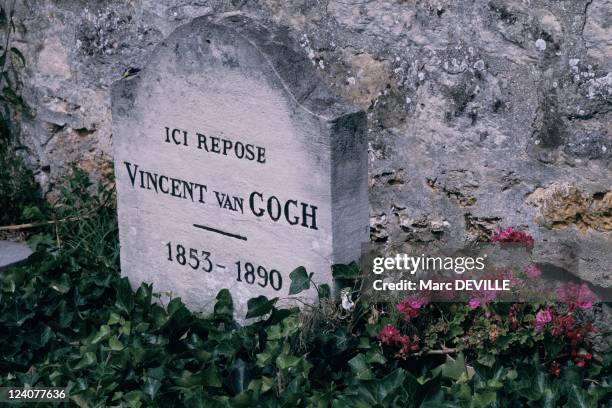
column 481, row 113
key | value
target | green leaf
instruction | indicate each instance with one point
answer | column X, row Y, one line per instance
column 211, row 377
column 364, row 343
column 579, row 398
column 153, row 381
column 124, row 300
column 88, row 360
column 390, row 384
column 360, row 367
column 324, row 291
column 244, row 400
column 144, row 294
column 19, row 55
column 32, row 213
column 300, row 281
column 114, row 318
column 225, row 305
column 550, row 399
column 375, row 356
column 259, row 306
column 263, row 359
column 102, row 334
column 11, row 96
column 486, row 359
column 484, row 400
column 350, row 271
column 285, row 361
column 512, row 375
column 291, row 325
column 453, row 369
column 134, row 398
column 115, row 344
column 274, row 332
column 62, row 285
column 46, row 335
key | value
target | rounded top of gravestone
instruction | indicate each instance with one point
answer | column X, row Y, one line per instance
column 12, row 253
column 238, row 46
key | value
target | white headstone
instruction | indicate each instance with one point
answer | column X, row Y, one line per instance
column 13, row 253
column 235, row 164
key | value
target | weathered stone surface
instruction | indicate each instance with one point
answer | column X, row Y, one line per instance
column 235, row 164
column 13, row 253
column 563, row 206
column 517, row 93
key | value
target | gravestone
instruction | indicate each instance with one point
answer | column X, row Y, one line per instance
column 235, row 164
column 13, row 253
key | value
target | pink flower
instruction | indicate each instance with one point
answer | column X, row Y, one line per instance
column 562, row 324
column 410, row 306
column 576, row 296
column 542, row 318
column 509, row 235
column 389, row 335
column 474, row 303
column 533, row 271
column 407, row 345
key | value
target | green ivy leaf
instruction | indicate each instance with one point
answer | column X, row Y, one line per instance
column 102, row 334
column 550, row 399
column 259, row 306
column 88, row 360
column 124, row 300
column 291, row 325
column 144, row 294
column 114, row 344
column 484, row 400
column 453, row 369
column 19, row 55
column 134, row 398
column 579, row 398
column 62, row 285
column 225, row 305
column 11, row 96
column 360, row 367
column 300, row 281
column 114, row 318
column 389, row 385
column 211, row 377
column 153, row 381
column 375, row 356
column 324, row 291
column 285, row 361
column 350, row 271
column 263, row 359
column 486, row 359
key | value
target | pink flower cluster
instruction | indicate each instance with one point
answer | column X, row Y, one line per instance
column 483, row 297
column 576, row 296
column 543, row 317
column 410, row 307
column 474, row 303
column 562, row 325
column 390, row 336
column 510, row 235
